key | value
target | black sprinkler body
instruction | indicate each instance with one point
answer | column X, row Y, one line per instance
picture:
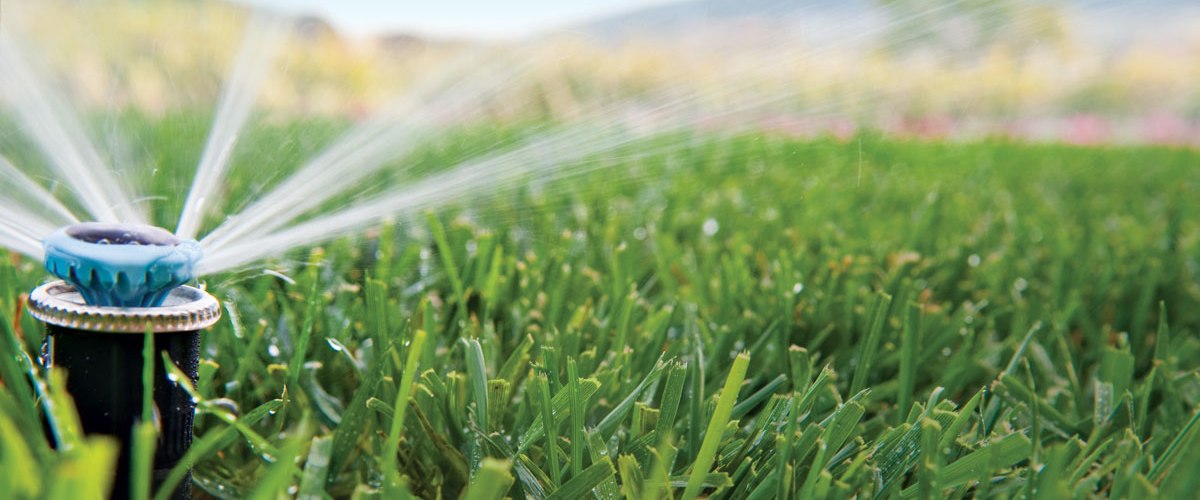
column 120, row 282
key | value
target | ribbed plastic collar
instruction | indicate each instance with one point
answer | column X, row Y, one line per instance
column 184, row 309
column 121, row 265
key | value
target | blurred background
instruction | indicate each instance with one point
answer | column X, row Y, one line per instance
column 1068, row 70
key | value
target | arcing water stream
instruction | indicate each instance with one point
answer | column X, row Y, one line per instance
column 264, row 38
column 48, row 121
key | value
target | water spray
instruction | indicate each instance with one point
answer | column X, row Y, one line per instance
column 118, row 283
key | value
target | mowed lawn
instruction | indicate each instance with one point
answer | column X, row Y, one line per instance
column 741, row 316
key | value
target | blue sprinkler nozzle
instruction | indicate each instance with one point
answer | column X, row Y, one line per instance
column 121, row 265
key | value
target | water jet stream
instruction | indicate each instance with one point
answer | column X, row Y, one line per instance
column 14, row 178
column 446, row 97
column 263, row 39
column 61, row 137
column 20, row 240
column 550, row 157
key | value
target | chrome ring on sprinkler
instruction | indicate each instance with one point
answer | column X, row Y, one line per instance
column 119, row 282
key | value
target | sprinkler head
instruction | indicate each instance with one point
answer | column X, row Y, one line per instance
column 121, row 281
column 121, row 265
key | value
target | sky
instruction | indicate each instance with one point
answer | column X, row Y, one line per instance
column 454, row 18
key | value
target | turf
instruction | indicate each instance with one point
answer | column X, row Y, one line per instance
column 735, row 316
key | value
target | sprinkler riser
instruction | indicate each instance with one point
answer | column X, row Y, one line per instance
column 104, row 377
column 101, row 349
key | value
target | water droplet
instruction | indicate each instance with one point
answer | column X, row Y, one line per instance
column 797, row 288
column 711, row 226
column 228, row 405
column 273, row 350
column 973, row 260
column 1020, row 285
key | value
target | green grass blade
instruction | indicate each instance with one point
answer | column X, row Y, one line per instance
column 392, row 446
column 842, row 425
column 87, row 472
column 1014, row 388
column 658, row 484
column 542, row 389
column 477, row 373
column 447, row 255
column 960, row 421
column 300, row 347
column 931, row 458
column 582, row 484
column 762, row 394
column 610, row 421
column 60, row 408
column 16, row 367
column 533, row 480
column 784, row 446
column 577, row 411
column 354, row 418
column 1170, row 457
column 871, row 343
column 716, row 426
column 808, row 489
column 597, row 451
column 210, row 443
column 281, row 474
column 631, row 477
column 979, row 463
column 672, row 393
column 20, row 473
column 492, row 481
column 1162, row 339
column 1178, row 478
column 141, row 461
column 909, row 341
column 316, row 469
column 562, row 410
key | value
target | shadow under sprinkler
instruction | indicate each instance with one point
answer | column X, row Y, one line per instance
column 118, row 283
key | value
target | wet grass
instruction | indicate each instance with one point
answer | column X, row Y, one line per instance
column 723, row 317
